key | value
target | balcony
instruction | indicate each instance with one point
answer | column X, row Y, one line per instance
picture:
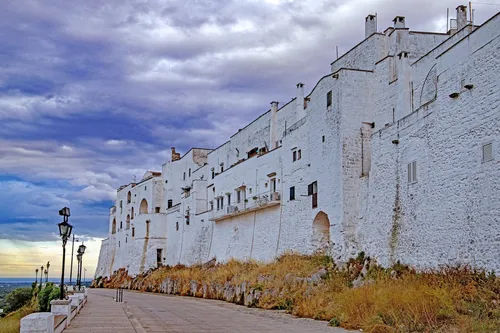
column 257, row 202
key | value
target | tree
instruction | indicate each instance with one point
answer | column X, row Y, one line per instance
column 17, row 298
column 44, row 297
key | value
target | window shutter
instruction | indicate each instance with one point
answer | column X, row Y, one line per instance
column 414, row 171
column 310, row 189
column 487, row 152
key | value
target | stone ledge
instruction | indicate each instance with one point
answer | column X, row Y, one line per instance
column 60, row 302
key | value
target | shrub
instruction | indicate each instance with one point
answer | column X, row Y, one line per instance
column 17, row 298
column 43, row 297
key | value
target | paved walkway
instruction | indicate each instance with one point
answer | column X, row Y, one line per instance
column 147, row 312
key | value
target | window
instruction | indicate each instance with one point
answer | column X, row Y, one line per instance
column 488, row 152
column 126, row 240
column 299, row 154
column 329, row 99
column 143, row 209
column 323, row 138
column 292, row 193
column 213, row 174
column 129, row 197
column 189, row 172
column 187, row 218
column 176, row 225
column 121, row 225
column 221, row 202
column 221, row 169
column 157, row 210
column 121, row 207
column 145, row 188
column 294, row 156
column 184, row 176
column 169, row 203
column 218, row 204
column 132, row 213
column 133, row 232
column 238, row 196
column 412, row 172
column 118, row 243
column 312, row 189
column 229, row 199
column 211, row 205
column 147, row 227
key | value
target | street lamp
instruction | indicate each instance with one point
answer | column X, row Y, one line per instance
column 36, row 278
column 48, row 265
column 71, row 269
column 81, row 251
column 79, row 261
column 65, row 232
column 41, row 275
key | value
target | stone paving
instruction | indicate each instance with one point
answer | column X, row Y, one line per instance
column 147, row 312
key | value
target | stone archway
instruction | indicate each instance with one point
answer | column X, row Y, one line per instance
column 320, row 240
column 128, row 222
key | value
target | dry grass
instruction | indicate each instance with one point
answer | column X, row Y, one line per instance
column 12, row 322
column 448, row 300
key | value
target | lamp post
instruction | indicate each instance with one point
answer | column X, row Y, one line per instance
column 72, row 249
column 48, row 265
column 79, row 261
column 41, row 275
column 81, row 251
column 65, row 232
column 36, row 278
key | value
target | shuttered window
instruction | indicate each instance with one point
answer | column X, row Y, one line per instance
column 412, row 172
column 487, row 152
column 292, row 193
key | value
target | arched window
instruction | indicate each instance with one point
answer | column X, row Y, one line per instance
column 129, row 197
column 128, row 222
column 132, row 213
column 321, row 233
column 144, row 207
column 113, row 227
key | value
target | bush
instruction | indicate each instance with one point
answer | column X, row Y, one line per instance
column 17, row 298
column 44, row 297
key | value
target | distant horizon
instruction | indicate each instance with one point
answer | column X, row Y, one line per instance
column 28, row 279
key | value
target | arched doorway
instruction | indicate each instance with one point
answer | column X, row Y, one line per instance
column 129, row 197
column 144, row 207
column 113, row 227
column 321, row 233
column 128, row 222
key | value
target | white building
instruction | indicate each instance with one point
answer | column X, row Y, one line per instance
column 395, row 152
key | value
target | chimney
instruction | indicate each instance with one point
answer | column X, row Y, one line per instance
column 399, row 22
column 299, row 101
column 175, row 156
column 370, row 25
column 403, row 101
column 461, row 17
column 273, row 144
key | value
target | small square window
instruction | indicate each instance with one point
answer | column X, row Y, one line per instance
column 294, row 156
column 133, row 232
column 299, row 154
column 213, row 174
column 412, row 172
column 176, row 225
column 184, row 176
column 157, row 210
column 169, row 203
column 145, row 188
column 323, row 138
column 329, row 99
column 488, row 152
column 189, row 172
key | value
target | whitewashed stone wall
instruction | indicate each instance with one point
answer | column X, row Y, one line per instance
column 390, row 105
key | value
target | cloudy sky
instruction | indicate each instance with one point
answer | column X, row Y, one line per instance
column 93, row 93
